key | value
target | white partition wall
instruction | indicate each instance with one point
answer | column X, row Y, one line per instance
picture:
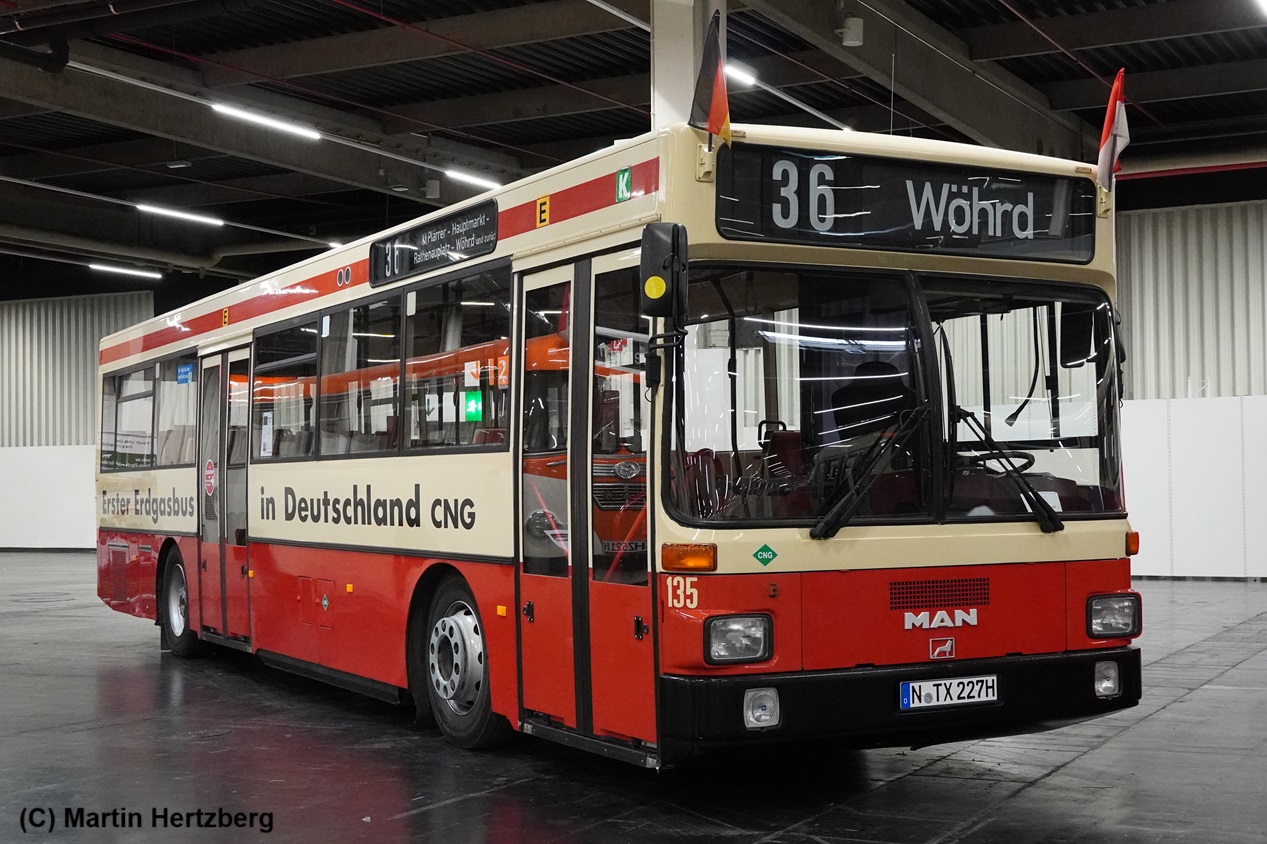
column 1196, row 485
column 1146, row 459
column 48, row 414
column 1254, row 473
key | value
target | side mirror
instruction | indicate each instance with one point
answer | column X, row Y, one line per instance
column 662, row 278
column 1077, row 331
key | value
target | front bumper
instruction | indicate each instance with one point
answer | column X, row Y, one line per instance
column 860, row 706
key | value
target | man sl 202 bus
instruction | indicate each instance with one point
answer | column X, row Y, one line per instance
column 666, row 450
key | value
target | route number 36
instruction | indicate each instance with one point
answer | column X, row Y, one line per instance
column 682, row 593
column 820, row 201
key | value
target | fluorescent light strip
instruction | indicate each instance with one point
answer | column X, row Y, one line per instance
column 472, row 179
column 305, row 132
column 106, row 268
column 746, row 77
column 179, row 215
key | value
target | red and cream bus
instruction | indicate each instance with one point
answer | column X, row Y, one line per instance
column 669, row 449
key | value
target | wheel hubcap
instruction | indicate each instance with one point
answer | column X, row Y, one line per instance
column 455, row 658
column 177, row 603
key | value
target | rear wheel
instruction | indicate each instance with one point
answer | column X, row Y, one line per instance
column 455, row 669
column 174, row 609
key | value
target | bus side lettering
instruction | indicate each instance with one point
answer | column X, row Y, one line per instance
column 451, row 513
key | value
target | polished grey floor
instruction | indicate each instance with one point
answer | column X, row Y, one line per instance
column 92, row 717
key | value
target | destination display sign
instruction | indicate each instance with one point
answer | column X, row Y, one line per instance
column 869, row 202
column 452, row 239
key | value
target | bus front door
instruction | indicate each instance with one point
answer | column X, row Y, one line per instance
column 586, row 629
column 546, row 619
column 224, row 442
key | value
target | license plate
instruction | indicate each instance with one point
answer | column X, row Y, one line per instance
column 956, row 690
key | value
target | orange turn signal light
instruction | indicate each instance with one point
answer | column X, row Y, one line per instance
column 1132, row 543
column 688, row 557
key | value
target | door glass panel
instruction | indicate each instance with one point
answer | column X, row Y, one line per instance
column 238, row 445
column 619, row 469
column 209, row 453
column 547, row 351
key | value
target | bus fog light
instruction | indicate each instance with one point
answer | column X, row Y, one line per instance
column 1107, row 683
column 1113, row 616
column 737, row 638
column 761, row 708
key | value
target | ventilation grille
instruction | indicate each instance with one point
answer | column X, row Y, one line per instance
column 937, row 594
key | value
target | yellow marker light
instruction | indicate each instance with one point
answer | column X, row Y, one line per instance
column 349, row 588
column 654, row 287
column 688, row 557
column 1132, row 543
column 250, row 573
column 501, row 610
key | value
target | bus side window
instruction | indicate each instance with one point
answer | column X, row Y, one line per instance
column 133, row 400
column 177, row 417
column 284, row 393
column 109, row 408
column 360, row 378
column 457, row 348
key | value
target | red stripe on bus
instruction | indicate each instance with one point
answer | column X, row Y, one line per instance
column 574, row 201
column 579, row 200
column 265, row 303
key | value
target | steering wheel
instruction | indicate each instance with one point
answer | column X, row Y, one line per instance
column 1023, row 460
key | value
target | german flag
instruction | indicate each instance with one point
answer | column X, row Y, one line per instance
column 710, row 109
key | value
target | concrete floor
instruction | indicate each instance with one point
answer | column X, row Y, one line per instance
column 92, row 716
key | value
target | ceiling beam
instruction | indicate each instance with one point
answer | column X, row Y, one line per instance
column 230, row 191
column 144, row 153
column 491, row 30
column 935, row 72
column 175, row 119
column 1155, row 22
column 365, row 130
column 1211, row 80
column 8, row 109
column 809, row 66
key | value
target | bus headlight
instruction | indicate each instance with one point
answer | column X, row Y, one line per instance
column 737, row 638
column 1113, row 616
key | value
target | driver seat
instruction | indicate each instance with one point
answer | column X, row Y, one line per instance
column 871, row 400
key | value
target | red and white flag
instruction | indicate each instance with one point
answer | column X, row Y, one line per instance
column 1115, row 137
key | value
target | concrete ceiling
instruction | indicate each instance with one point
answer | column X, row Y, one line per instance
column 103, row 105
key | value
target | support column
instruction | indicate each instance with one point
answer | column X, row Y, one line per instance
column 677, row 39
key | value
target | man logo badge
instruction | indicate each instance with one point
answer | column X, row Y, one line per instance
column 941, row 648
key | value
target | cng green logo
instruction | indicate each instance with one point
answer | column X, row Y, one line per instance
column 624, row 185
column 765, row 555
column 325, row 602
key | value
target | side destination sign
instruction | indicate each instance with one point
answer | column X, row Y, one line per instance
column 458, row 237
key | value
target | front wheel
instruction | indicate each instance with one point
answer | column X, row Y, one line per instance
column 456, row 669
column 174, row 610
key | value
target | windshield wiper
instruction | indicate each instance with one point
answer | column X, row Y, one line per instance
column 850, row 498
column 1047, row 517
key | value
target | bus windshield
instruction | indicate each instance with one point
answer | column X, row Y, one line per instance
column 852, row 396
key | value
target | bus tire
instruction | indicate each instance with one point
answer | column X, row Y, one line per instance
column 456, row 670
column 174, row 609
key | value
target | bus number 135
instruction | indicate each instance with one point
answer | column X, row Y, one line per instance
column 682, row 593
